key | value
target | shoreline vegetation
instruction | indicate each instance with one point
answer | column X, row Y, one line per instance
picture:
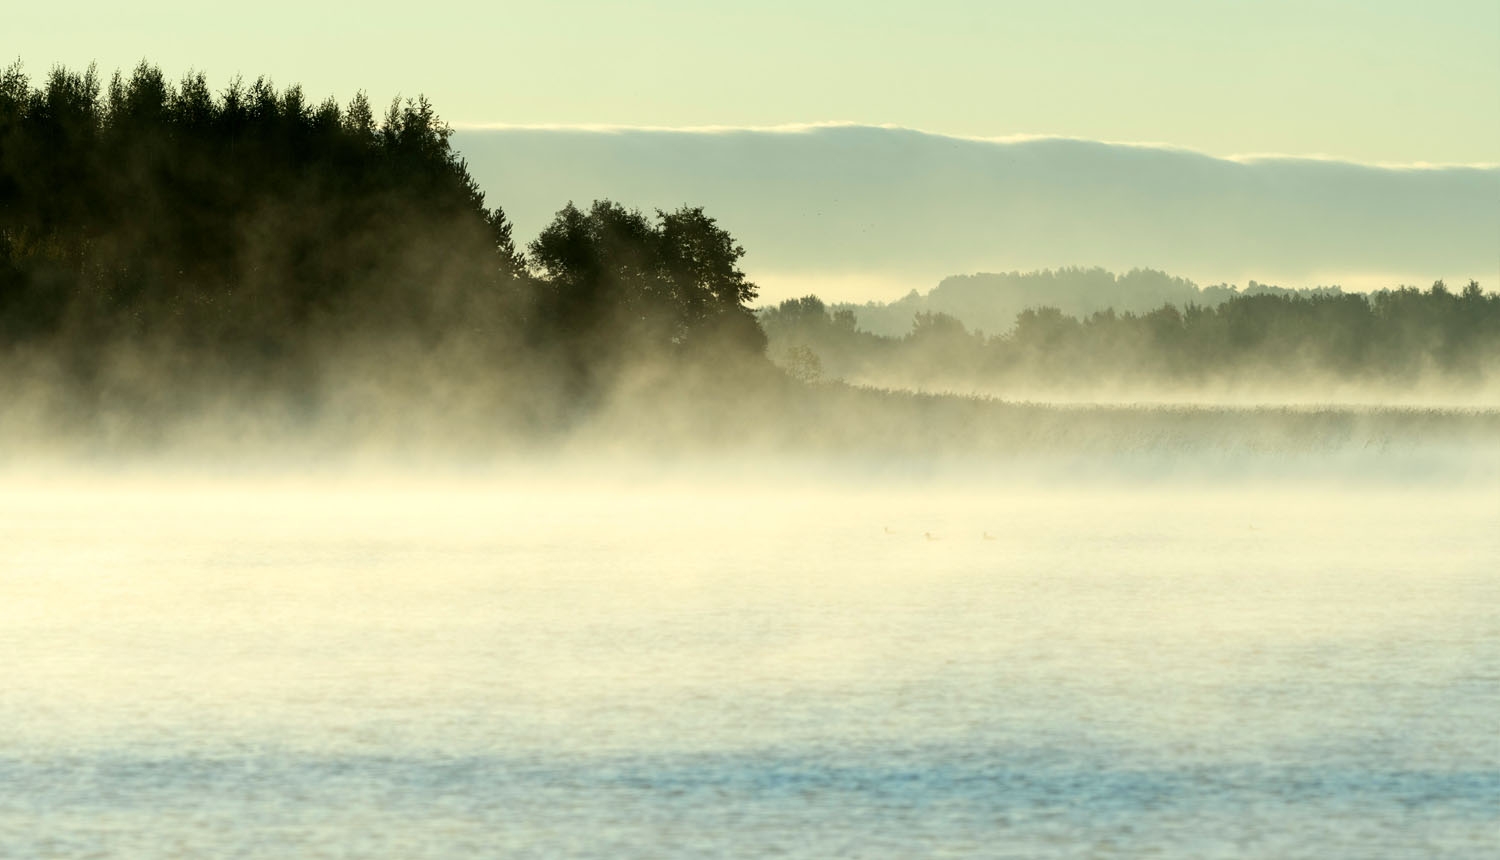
column 251, row 265
column 1390, row 343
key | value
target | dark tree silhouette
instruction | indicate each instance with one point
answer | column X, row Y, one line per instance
column 161, row 209
column 627, row 283
column 252, row 232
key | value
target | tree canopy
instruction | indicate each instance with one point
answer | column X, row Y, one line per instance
column 253, row 229
column 612, row 272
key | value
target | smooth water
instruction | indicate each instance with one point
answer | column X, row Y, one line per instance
column 500, row 667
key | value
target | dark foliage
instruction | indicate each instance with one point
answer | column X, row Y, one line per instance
column 235, row 220
column 618, row 280
column 253, row 232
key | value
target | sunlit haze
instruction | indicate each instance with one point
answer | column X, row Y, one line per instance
column 672, row 430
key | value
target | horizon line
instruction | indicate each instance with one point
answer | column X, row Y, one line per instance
column 811, row 127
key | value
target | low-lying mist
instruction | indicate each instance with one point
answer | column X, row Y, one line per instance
column 250, row 277
column 336, row 519
column 1265, row 346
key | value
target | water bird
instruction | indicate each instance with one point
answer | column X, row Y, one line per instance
column 888, row 530
column 988, row 536
column 930, row 536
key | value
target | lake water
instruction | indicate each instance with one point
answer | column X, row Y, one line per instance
column 738, row 666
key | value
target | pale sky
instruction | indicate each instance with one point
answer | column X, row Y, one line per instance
column 1373, row 81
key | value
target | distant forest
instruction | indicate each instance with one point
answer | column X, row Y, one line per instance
column 1391, row 337
column 165, row 248
column 989, row 302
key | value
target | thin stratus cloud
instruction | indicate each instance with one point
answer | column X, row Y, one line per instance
column 810, row 127
column 857, row 211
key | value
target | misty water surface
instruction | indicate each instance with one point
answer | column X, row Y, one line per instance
column 726, row 666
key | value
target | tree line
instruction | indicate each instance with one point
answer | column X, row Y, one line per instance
column 1389, row 336
column 990, row 301
column 253, row 230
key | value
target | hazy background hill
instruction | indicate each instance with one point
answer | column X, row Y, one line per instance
column 858, row 213
column 989, row 302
